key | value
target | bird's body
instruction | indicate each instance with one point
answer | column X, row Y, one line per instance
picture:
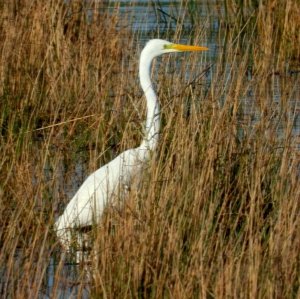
column 99, row 189
column 110, row 181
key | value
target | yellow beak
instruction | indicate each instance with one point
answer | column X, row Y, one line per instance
column 187, row 47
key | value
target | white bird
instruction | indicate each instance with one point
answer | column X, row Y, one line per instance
column 110, row 181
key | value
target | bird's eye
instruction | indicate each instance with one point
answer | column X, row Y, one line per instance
column 167, row 46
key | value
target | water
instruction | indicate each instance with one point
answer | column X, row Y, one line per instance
column 70, row 286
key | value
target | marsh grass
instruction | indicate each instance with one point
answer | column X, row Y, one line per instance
column 217, row 212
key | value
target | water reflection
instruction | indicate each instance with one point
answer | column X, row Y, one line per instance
column 70, row 283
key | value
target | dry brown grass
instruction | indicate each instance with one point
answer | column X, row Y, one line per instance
column 217, row 214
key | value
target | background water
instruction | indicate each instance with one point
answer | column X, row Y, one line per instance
column 161, row 19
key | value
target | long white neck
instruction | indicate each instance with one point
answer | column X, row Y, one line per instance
column 151, row 136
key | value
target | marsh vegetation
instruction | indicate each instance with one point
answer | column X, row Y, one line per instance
column 217, row 212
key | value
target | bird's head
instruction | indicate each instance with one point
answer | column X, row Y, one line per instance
column 156, row 47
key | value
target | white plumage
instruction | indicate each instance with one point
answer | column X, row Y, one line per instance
column 109, row 181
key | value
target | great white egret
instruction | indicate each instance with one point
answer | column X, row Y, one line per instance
column 109, row 181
